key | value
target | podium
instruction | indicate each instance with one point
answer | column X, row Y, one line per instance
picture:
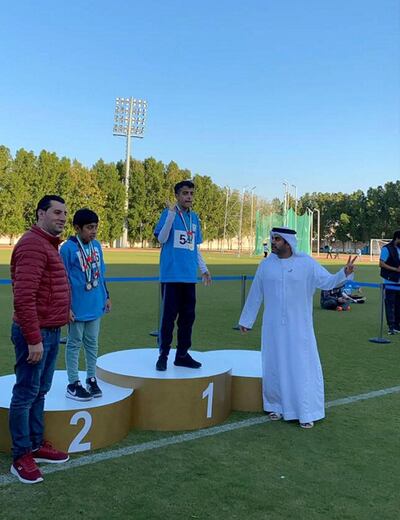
column 179, row 398
column 246, row 377
column 75, row 426
column 136, row 395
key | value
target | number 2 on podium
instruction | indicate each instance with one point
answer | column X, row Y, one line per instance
column 209, row 392
column 76, row 445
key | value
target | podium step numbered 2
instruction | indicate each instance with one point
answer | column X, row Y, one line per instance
column 75, row 426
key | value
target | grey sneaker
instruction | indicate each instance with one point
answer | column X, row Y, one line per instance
column 93, row 387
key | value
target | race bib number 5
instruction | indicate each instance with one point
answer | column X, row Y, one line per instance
column 181, row 240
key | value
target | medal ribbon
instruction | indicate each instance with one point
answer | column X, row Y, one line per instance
column 88, row 260
column 189, row 231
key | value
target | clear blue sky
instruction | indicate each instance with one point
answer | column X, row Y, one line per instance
column 247, row 92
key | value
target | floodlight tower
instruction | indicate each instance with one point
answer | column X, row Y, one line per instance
column 252, row 245
column 311, row 215
column 317, row 211
column 129, row 121
column 285, row 201
column 241, row 220
column 295, row 206
column 228, row 191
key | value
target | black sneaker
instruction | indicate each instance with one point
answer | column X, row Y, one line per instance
column 186, row 361
column 161, row 364
column 77, row 392
column 92, row 387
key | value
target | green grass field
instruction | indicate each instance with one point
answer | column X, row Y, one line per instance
column 345, row 468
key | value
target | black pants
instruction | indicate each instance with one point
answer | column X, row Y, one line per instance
column 329, row 304
column 392, row 307
column 178, row 300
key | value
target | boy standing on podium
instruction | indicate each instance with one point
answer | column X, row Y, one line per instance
column 179, row 234
column 83, row 259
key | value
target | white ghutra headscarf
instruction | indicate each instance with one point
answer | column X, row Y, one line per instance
column 287, row 234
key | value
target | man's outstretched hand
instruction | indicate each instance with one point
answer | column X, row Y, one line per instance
column 350, row 267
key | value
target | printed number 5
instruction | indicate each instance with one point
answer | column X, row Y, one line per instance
column 182, row 239
column 76, row 445
column 209, row 392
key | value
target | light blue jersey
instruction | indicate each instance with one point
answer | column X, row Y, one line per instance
column 178, row 259
column 384, row 256
column 385, row 253
column 86, row 305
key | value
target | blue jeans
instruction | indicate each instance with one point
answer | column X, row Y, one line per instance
column 86, row 332
column 26, row 419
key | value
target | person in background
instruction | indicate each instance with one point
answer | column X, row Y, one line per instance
column 334, row 299
column 389, row 263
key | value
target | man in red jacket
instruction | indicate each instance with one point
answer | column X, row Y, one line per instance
column 41, row 307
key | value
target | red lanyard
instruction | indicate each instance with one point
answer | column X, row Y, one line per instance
column 190, row 230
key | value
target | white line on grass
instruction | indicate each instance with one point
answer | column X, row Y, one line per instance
column 184, row 437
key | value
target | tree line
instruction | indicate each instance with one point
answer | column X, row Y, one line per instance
column 359, row 216
column 26, row 177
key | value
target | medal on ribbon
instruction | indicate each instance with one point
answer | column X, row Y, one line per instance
column 90, row 265
column 189, row 231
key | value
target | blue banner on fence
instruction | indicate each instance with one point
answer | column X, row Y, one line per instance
column 153, row 279
column 350, row 283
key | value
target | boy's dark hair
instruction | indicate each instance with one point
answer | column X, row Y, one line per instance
column 396, row 234
column 45, row 203
column 85, row 216
column 180, row 185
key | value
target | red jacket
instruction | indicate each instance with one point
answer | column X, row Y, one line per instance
column 40, row 284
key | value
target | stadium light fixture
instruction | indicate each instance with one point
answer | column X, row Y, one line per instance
column 295, row 206
column 285, row 200
column 252, row 245
column 129, row 121
column 241, row 220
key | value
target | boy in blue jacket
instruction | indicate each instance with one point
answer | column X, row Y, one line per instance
column 179, row 234
column 83, row 259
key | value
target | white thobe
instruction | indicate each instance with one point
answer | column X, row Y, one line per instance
column 293, row 383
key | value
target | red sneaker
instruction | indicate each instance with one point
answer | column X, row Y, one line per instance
column 25, row 469
column 46, row 453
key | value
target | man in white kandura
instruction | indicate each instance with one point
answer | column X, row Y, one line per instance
column 293, row 385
